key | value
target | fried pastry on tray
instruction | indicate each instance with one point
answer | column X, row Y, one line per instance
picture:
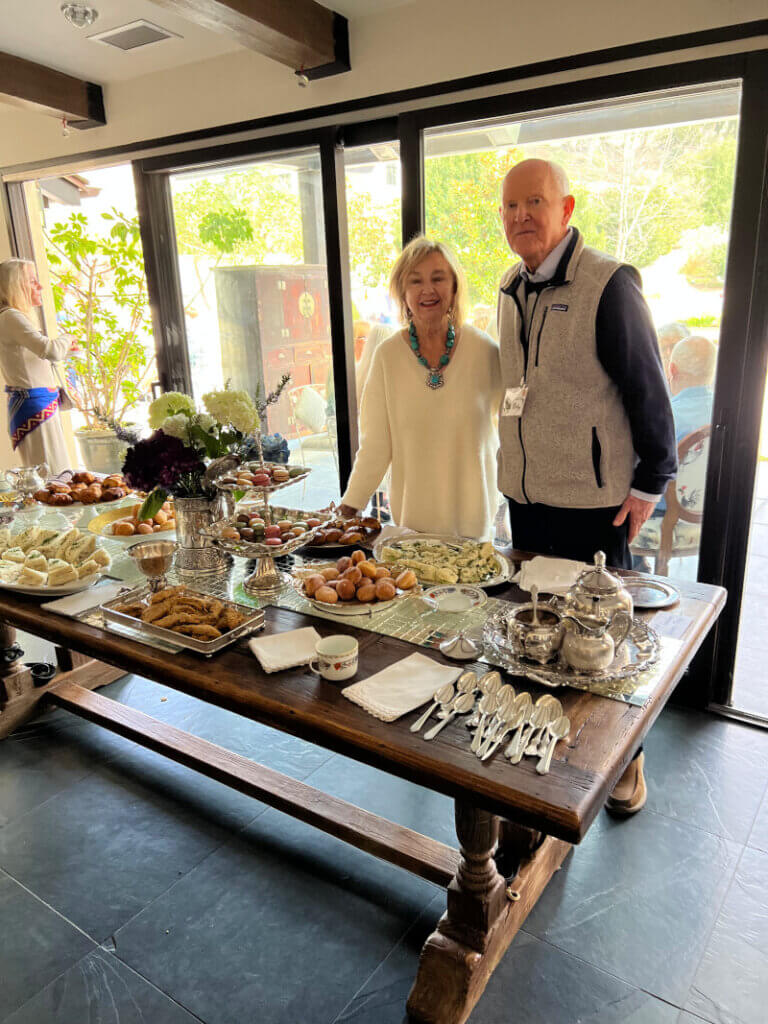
column 201, row 631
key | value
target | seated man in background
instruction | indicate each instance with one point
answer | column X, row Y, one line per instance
column 691, row 372
column 669, row 335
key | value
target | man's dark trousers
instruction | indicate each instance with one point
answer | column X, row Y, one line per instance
column 570, row 532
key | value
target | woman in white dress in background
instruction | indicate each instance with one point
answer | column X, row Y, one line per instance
column 428, row 405
column 26, row 366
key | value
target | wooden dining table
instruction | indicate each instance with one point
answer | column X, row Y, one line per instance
column 514, row 826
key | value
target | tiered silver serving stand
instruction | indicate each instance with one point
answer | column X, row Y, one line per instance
column 267, row 580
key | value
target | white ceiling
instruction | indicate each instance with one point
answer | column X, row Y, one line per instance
column 38, row 31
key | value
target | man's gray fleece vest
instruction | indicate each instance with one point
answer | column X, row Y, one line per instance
column 572, row 447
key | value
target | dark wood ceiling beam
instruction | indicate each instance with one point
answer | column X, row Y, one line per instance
column 44, row 90
column 299, row 34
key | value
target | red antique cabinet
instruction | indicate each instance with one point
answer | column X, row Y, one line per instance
column 274, row 320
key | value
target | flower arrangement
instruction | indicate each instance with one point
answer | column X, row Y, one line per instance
column 173, row 461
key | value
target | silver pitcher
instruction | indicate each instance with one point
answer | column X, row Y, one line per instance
column 589, row 643
column 196, row 554
column 29, row 479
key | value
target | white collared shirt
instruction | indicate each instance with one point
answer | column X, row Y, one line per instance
column 546, row 269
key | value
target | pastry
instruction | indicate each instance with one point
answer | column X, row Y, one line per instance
column 113, row 480
column 61, row 575
column 42, row 496
column 112, row 493
column 83, row 478
column 89, row 568
column 61, row 499
column 67, row 540
column 14, row 555
column 91, row 495
column 58, row 488
column 5, row 538
column 200, row 631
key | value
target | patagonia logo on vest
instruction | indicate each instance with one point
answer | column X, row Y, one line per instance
column 559, row 307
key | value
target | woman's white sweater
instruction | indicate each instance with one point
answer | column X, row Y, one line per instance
column 441, row 444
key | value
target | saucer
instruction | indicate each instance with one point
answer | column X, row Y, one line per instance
column 455, row 598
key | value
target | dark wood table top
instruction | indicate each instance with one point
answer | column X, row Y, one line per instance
column 604, row 733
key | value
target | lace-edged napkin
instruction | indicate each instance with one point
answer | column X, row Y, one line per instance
column 401, row 687
column 285, row 650
column 550, row 575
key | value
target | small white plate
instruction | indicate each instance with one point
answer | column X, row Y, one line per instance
column 455, row 597
column 62, row 591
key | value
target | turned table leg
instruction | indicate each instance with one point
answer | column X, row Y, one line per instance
column 484, row 912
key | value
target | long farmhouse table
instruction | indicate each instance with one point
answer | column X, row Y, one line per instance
column 514, row 827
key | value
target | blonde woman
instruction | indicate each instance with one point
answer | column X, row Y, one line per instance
column 26, row 358
column 428, row 405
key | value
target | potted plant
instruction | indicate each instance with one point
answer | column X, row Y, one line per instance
column 100, row 291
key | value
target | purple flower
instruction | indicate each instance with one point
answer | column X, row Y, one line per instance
column 159, row 461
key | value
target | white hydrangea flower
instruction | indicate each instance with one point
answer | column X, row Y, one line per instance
column 169, row 404
column 233, row 407
column 202, row 419
column 176, row 426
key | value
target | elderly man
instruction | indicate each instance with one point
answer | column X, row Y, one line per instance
column 587, row 440
column 691, row 372
column 587, row 443
column 668, row 336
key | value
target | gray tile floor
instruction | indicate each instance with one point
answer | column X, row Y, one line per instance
column 133, row 890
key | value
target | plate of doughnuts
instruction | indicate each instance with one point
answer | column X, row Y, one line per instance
column 123, row 524
column 354, row 585
column 82, row 488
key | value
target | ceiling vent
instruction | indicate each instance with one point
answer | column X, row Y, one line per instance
column 133, row 35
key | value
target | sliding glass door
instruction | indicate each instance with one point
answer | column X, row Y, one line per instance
column 251, row 252
column 653, row 179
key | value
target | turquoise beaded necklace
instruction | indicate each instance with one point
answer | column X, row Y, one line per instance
column 435, row 375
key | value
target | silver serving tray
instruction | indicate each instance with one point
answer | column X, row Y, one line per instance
column 639, row 651
column 253, row 623
column 506, row 565
column 647, row 593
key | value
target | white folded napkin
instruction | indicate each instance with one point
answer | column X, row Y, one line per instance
column 401, row 687
column 550, row 575
column 75, row 604
column 285, row 650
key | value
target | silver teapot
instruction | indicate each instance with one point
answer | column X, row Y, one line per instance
column 589, row 643
column 598, row 594
column 29, row 479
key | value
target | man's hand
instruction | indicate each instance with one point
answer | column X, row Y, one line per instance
column 638, row 512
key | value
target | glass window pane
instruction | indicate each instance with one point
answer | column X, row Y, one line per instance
column 374, row 224
column 653, row 182
column 251, row 251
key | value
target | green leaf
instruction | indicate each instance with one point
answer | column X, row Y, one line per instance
column 152, row 504
column 208, row 441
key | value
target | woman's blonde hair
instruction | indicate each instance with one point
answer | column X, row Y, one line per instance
column 417, row 250
column 14, row 284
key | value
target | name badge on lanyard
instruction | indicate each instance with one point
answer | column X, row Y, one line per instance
column 514, row 400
